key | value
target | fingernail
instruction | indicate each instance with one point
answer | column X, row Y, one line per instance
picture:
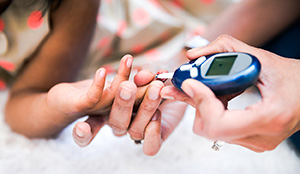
column 101, row 72
column 125, row 93
column 168, row 97
column 154, row 92
column 192, row 50
column 118, row 132
column 187, row 88
column 79, row 132
column 129, row 62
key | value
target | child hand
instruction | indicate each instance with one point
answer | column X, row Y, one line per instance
column 122, row 110
column 88, row 97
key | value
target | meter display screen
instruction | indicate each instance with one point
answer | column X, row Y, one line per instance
column 221, row 65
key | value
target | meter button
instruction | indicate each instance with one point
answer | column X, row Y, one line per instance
column 186, row 67
column 194, row 72
column 200, row 60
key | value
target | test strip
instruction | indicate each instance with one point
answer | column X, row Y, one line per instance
column 164, row 76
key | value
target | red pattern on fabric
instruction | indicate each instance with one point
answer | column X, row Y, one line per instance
column 103, row 42
column 2, row 25
column 155, row 2
column 153, row 55
column 99, row 18
column 2, row 85
column 199, row 30
column 35, row 19
column 108, row 1
column 7, row 65
column 178, row 3
column 138, row 48
column 141, row 17
column 122, row 27
column 208, row 2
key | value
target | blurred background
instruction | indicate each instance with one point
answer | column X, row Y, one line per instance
column 154, row 31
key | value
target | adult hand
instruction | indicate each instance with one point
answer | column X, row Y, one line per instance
column 259, row 127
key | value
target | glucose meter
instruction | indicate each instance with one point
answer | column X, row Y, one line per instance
column 223, row 73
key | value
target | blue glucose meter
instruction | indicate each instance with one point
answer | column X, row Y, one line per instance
column 223, row 73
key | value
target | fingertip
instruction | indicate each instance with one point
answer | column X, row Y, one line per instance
column 188, row 87
column 82, row 134
column 101, row 73
column 154, row 90
column 191, row 54
column 127, row 56
column 150, row 152
column 82, row 128
column 143, row 78
column 153, row 141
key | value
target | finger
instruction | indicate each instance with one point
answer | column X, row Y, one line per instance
column 172, row 93
column 203, row 96
column 94, row 93
column 121, row 111
column 84, row 132
column 143, row 78
column 152, row 141
column 123, row 72
column 223, row 43
column 122, row 75
column 171, row 117
column 146, row 110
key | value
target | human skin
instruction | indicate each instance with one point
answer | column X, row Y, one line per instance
column 153, row 128
column 252, row 21
column 261, row 126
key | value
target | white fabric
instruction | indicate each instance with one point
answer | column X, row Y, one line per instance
column 182, row 153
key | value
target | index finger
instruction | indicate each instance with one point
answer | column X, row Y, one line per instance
column 223, row 43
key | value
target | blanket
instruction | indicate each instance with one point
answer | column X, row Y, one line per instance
column 183, row 152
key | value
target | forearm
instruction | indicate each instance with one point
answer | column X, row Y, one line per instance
column 58, row 59
column 254, row 21
column 31, row 115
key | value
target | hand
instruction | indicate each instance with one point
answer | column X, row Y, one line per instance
column 89, row 97
column 154, row 124
column 261, row 126
column 167, row 118
column 145, row 97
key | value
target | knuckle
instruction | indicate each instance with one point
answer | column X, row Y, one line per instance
column 225, row 38
column 281, row 123
column 157, row 83
column 128, row 84
column 225, row 42
column 117, row 126
column 150, row 108
column 167, row 128
column 91, row 101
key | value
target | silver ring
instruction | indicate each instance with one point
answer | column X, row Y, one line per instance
column 217, row 145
